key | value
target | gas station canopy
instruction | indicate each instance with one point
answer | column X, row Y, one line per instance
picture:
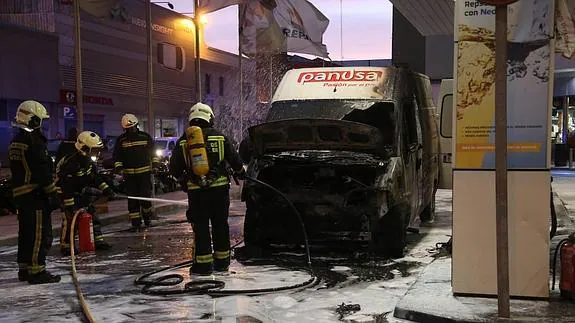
column 430, row 18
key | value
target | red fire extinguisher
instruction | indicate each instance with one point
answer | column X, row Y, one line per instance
column 85, row 233
column 566, row 248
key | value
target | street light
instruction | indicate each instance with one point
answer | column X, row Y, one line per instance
column 198, row 20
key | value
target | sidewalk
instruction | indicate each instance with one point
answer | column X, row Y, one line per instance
column 117, row 213
column 430, row 298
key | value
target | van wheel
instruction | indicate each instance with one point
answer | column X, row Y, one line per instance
column 389, row 236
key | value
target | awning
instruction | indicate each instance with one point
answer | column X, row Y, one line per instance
column 429, row 17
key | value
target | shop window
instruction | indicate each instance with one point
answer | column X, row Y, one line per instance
column 171, row 56
column 221, row 81
column 3, row 110
column 208, row 84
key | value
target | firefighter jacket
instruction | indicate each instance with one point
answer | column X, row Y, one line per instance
column 134, row 153
column 30, row 165
column 75, row 172
column 66, row 147
column 218, row 148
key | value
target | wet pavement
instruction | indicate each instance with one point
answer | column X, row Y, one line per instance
column 107, row 279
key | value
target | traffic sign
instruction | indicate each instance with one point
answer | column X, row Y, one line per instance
column 69, row 112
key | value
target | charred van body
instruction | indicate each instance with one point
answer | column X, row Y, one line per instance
column 355, row 150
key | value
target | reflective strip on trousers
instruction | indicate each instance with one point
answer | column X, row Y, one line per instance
column 103, row 186
column 221, row 181
column 36, row 268
column 222, row 254
column 135, row 215
column 204, row 259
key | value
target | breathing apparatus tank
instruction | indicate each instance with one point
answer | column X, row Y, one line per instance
column 197, row 154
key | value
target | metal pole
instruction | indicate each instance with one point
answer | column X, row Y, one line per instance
column 565, row 132
column 78, row 58
column 271, row 80
column 570, row 157
column 501, row 160
column 241, row 73
column 198, row 56
column 150, row 90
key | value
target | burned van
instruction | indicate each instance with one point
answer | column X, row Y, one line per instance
column 354, row 149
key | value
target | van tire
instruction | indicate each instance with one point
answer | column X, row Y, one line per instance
column 389, row 237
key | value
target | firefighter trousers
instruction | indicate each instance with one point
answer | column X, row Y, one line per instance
column 205, row 206
column 139, row 185
column 67, row 227
column 34, row 233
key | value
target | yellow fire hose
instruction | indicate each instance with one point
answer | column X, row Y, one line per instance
column 79, row 293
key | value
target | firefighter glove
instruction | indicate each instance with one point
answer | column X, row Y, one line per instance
column 109, row 193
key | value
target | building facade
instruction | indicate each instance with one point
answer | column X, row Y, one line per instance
column 39, row 63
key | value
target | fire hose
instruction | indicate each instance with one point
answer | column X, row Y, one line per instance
column 214, row 287
column 208, row 287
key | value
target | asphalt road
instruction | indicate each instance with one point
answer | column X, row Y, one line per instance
column 107, row 280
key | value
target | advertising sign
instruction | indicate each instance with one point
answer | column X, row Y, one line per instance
column 529, row 30
column 332, row 83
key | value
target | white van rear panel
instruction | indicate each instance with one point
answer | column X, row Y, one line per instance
column 445, row 115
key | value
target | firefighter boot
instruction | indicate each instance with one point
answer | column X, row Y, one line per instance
column 43, row 277
column 23, row 275
column 222, row 265
column 103, row 245
column 201, row 269
column 136, row 225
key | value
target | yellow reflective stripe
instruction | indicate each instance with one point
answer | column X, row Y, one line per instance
column 134, row 215
column 27, row 172
column 146, row 210
column 37, row 242
column 220, row 140
column 24, row 189
column 99, row 238
column 222, row 254
column 50, row 188
column 69, row 202
column 19, row 145
column 118, row 164
column 139, row 170
column 58, row 190
column 204, row 259
column 221, row 181
column 103, row 186
column 134, row 143
column 185, row 153
column 89, row 171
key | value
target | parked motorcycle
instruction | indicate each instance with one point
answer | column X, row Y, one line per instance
column 164, row 182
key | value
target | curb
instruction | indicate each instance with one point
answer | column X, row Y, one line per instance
column 107, row 219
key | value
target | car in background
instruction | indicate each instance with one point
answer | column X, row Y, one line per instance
column 53, row 145
column 164, row 145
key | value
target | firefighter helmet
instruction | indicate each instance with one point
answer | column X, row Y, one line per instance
column 30, row 114
column 201, row 111
column 88, row 141
column 129, row 120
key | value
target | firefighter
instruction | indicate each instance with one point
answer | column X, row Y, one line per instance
column 209, row 200
column 75, row 172
column 67, row 146
column 133, row 155
column 34, row 193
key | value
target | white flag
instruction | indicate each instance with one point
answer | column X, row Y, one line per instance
column 207, row 6
column 565, row 27
column 283, row 26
